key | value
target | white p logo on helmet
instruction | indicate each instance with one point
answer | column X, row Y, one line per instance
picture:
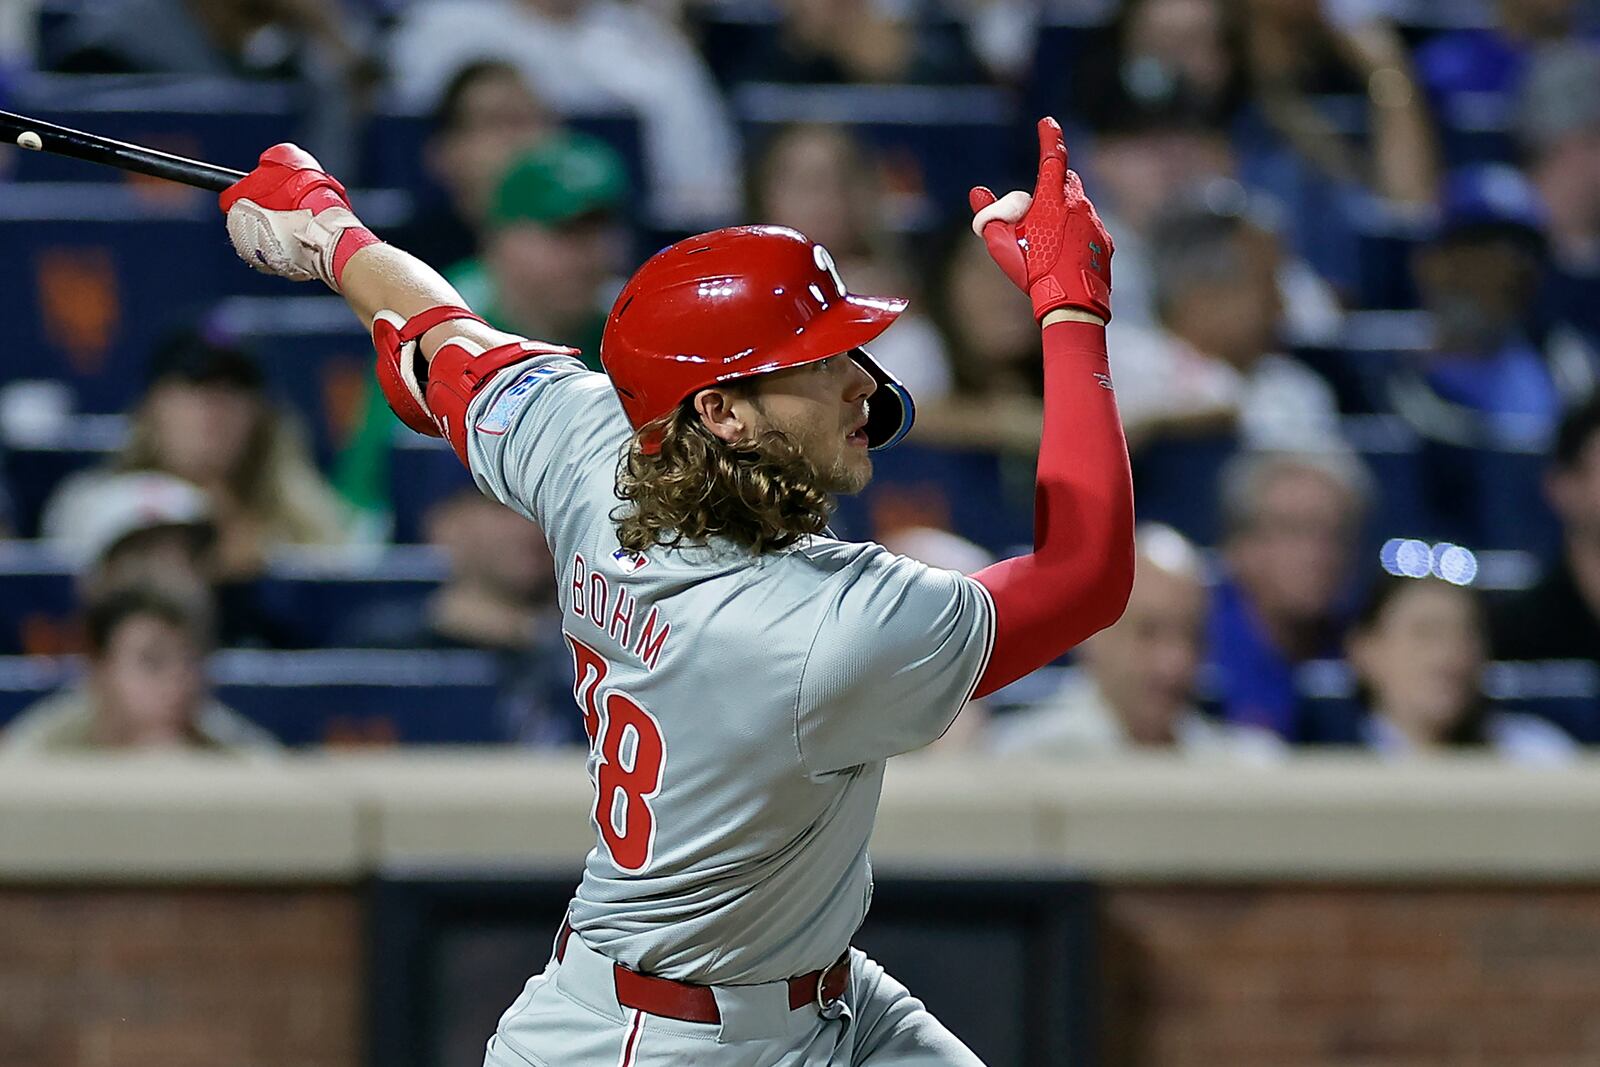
column 825, row 262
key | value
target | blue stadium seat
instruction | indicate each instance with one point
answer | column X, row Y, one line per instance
column 975, row 494
column 308, row 698
column 1565, row 692
column 1393, row 455
column 1175, row 482
column 319, row 589
column 32, row 471
column 37, row 594
column 96, row 275
column 728, row 32
column 423, row 471
column 219, row 120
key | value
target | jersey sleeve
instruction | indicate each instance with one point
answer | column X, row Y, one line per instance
column 897, row 652
column 543, row 434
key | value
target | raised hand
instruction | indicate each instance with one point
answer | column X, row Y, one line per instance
column 1052, row 244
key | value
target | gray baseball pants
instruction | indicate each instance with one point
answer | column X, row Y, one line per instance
column 569, row 1017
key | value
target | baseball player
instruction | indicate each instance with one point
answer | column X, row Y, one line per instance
column 741, row 674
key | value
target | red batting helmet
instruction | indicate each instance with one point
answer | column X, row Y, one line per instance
column 736, row 302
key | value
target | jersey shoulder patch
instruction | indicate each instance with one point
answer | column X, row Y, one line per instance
column 497, row 419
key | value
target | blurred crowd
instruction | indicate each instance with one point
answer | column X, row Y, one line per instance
column 1355, row 344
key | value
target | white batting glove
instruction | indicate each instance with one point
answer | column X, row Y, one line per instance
column 290, row 218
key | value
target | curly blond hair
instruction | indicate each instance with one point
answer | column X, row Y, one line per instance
column 763, row 495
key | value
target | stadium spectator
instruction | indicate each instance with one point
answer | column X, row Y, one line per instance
column 145, row 687
column 499, row 597
column 552, row 245
column 486, row 117
column 588, row 56
column 220, row 37
column 1417, row 648
column 1135, row 688
column 1291, row 522
column 1146, row 157
column 1162, row 51
column 833, row 42
column 316, row 44
column 1472, row 74
column 1003, row 34
column 206, row 419
column 1294, row 52
column 1560, row 617
column 822, row 181
column 149, row 528
column 1213, row 366
column 1486, row 380
column 997, row 400
column 1558, row 129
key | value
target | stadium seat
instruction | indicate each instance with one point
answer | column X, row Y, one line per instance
column 38, row 597
column 33, row 469
column 219, row 120
column 1175, row 482
column 978, row 495
column 1565, row 692
column 337, row 697
column 423, row 471
column 96, row 275
column 319, row 589
column 1393, row 455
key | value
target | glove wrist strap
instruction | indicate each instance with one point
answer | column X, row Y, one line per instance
column 349, row 243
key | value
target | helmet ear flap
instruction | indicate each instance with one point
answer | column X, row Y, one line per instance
column 890, row 410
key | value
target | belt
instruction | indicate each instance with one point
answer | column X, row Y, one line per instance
column 698, row 1003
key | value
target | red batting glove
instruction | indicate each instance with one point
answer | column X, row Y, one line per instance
column 291, row 218
column 1054, row 247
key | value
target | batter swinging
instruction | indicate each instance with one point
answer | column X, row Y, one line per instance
column 741, row 674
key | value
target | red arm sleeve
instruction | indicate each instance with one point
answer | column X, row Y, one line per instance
column 1077, row 579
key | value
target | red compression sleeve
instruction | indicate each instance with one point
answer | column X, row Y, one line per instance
column 1078, row 577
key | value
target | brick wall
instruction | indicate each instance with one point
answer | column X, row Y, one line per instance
column 1377, row 977
column 1240, row 976
column 179, row 977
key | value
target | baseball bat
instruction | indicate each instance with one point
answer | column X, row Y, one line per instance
column 92, row 148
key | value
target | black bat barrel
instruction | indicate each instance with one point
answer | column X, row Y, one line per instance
column 92, row 148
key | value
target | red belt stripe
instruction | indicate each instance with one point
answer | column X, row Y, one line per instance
column 698, row 1003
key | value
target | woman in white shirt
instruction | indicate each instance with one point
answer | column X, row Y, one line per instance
column 1418, row 651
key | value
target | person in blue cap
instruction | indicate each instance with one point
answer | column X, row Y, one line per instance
column 1491, row 386
column 1488, row 380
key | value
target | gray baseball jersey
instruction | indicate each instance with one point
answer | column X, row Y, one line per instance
column 740, row 708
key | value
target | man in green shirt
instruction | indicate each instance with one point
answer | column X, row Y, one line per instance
column 552, row 241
